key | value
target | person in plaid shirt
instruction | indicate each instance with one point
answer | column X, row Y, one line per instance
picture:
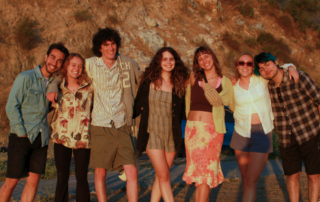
column 296, row 118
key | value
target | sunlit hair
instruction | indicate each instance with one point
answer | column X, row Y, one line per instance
column 63, row 71
column 197, row 70
column 262, row 58
column 237, row 74
column 179, row 75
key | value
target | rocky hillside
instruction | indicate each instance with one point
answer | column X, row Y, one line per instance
column 229, row 27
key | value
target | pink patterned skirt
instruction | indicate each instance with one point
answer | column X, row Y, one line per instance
column 203, row 147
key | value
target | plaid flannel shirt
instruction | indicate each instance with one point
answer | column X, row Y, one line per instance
column 295, row 108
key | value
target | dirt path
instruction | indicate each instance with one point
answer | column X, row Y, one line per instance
column 269, row 189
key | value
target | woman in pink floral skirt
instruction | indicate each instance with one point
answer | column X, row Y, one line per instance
column 205, row 125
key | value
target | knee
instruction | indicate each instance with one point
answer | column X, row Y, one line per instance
column 100, row 174
column 131, row 172
column 163, row 176
column 10, row 184
column 249, row 181
column 313, row 178
column 294, row 178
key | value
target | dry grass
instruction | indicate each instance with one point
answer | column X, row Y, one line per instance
column 251, row 42
column 113, row 19
column 275, row 46
column 286, row 24
column 246, row 10
column 228, row 39
column 199, row 42
column 309, row 48
column 86, row 52
column 318, row 45
column 82, row 15
column 229, row 59
column 27, row 35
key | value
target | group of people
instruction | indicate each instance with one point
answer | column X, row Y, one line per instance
column 96, row 100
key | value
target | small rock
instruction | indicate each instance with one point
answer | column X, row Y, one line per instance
column 310, row 60
column 166, row 21
column 151, row 22
column 205, row 37
column 259, row 26
column 206, row 27
column 208, row 18
column 190, row 9
column 294, row 52
column 309, row 37
column 219, row 6
column 151, row 39
column 140, row 28
column 240, row 22
column 194, row 5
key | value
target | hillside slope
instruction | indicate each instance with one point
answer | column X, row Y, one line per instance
column 145, row 26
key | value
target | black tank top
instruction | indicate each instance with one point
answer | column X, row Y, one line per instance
column 199, row 101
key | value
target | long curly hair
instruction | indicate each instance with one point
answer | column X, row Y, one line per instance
column 103, row 35
column 197, row 70
column 63, row 71
column 179, row 75
column 237, row 74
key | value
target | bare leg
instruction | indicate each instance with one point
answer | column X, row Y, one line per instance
column 7, row 189
column 243, row 161
column 293, row 187
column 156, row 193
column 202, row 193
column 100, row 175
column 132, row 182
column 257, row 162
column 30, row 189
column 159, row 162
column 313, row 186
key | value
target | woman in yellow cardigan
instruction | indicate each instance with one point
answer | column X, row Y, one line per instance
column 205, row 123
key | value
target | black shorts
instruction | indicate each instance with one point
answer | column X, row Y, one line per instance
column 308, row 152
column 24, row 157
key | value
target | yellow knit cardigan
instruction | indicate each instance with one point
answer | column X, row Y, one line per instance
column 217, row 112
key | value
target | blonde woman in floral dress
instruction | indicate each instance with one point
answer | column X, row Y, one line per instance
column 70, row 125
column 205, row 123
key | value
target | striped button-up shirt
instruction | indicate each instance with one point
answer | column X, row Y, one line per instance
column 295, row 108
column 108, row 105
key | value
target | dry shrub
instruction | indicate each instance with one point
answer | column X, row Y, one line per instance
column 309, row 48
column 27, row 35
column 318, row 45
column 275, row 46
column 246, row 10
column 227, row 38
column 251, row 42
column 86, row 52
column 199, row 42
column 229, row 59
column 233, row 2
column 286, row 24
column 82, row 15
column 113, row 19
column 31, row 59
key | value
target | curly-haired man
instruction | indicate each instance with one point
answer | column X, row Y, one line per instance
column 114, row 79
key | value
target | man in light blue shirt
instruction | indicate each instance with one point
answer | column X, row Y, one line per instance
column 27, row 109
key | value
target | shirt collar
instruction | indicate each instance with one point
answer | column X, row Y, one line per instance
column 101, row 63
column 39, row 74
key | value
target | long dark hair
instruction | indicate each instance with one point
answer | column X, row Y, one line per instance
column 197, row 70
column 179, row 75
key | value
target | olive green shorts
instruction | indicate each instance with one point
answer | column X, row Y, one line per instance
column 111, row 147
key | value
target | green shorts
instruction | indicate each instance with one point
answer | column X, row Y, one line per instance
column 111, row 147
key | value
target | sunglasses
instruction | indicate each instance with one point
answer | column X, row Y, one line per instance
column 249, row 64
